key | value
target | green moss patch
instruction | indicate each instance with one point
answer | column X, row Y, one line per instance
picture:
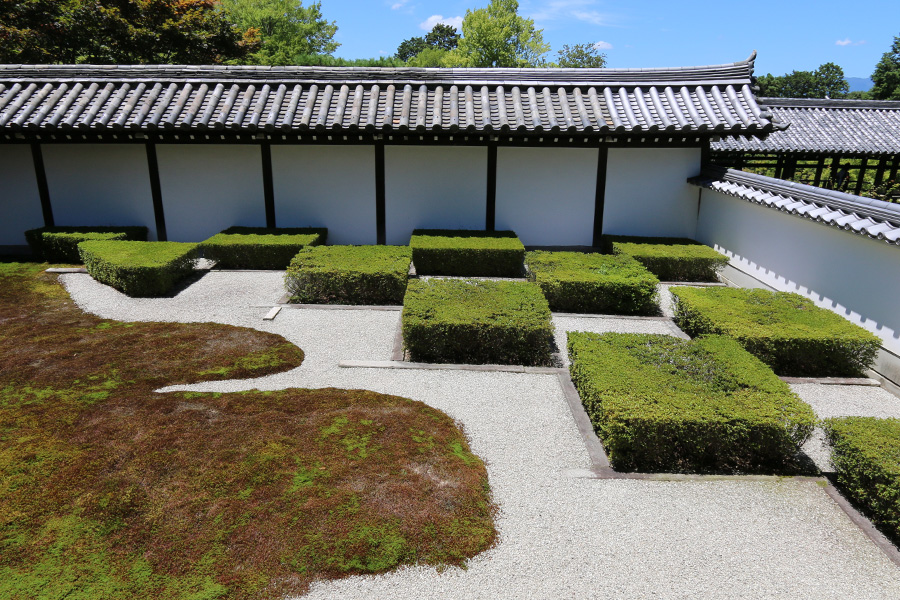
column 139, row 268
column 786, row 331
column 260, row 247
column 60, row 244
column 670, row 259
column 477, row 322
column 349, row 275
column 660, row 403
column 467, row 253
column 866, row 455
column 593, row 283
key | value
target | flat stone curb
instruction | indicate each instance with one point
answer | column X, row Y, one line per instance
column 341, row 307
column 600, row 316
column 66, row 270
column 694, row 283
column 861, row 381
column 394, row 364
column 270, row 316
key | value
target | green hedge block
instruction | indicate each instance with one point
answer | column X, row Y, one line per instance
column 670, row 259
column 866, row 455
column 260, row 247
column 786, row 331
column 663, row 404
column 349, row 275
column 593, row 283
column 60, row 244
column 139, row 268
column 465, row 253
column 477, row 322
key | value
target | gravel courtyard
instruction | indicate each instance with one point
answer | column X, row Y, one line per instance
column 563, row 533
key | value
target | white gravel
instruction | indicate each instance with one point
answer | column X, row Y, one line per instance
column 562, row 534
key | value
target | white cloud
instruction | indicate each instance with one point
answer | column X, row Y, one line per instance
column 579, row 10
column 433, row 20
column 590, row 16
column 601, row 45
column 399, row 4
column 849, row 42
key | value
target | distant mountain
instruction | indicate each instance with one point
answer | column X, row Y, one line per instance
column 860, row 84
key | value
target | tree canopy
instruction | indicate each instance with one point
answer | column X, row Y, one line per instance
column 286, row 28
column 496, row 36
column 440, row 40
column 887, row 74
column 581, row 56
column 827, row 81
column 120, row 32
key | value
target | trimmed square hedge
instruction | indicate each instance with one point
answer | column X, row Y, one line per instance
column 260, row 247
column 349, row 275
column 663, row 404
column 784, row 330
column 477, row 322
column 593, row 283
column 670, row 259
column 139, row 268
column 60, row 244
column 467, row 253
column 866, row 455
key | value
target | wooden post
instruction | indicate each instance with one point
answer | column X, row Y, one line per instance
column 879, row 172
column 268, row 184
column 156, row 192
column 820, row 166
column 490, row 217
column 380, row 218
column 895, row 167
column 600, row 195
column 40, row 173
column 779, row 167
column 861, row 176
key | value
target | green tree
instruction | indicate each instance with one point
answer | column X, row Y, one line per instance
column 827, row 81
column 32, row 31
column 581, row 56
column 441, row 37
column 431, row 57
column 286, row 27
column 496, row 36
column 409, row 48
column 887, row 74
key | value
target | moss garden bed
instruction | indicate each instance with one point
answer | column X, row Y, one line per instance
column 111, row 490
column 593, row 283
column 670, row 259
column 260, row 247
column 662, row 404
column 477, row 322
column 786, row 331
column 139, row 268
column 465, row 253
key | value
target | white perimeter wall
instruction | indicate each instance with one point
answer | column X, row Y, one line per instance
column 207, row 188
column 20, row 202
column 326, row 186
column 435, row 188
column 854, row 276
column 96, row 184
column 647, row 192
column 547, row 195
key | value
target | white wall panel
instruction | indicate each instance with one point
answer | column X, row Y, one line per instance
column 434, row 187
column 20, row 203
column 854, row 276
column 326, row 186
column 647, row 192
column 547, row 195
column 208, row 188
column 99, row 184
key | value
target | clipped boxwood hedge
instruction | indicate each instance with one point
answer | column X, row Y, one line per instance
column 477, row 322
column 260, row 247
column 663, row 404
column 593, row 283
column 866, row 454
column 348, row 275
column 138, row 268
column 670, row 259
column 60, row 244
column 465, row 253
column 786, row 331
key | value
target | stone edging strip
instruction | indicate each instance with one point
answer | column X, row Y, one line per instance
column 66, row 270
column 340, row 306
column 861, row 381
column 600, row 316
column 399, row 364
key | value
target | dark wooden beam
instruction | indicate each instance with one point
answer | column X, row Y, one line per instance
column 600, row 196
column 380, row 217
column 882, row 167
column 490, row 219
column 820, row 166
column 268, row 184
column 156, row 193
column 861, row 175
column 895, row 167
column 43, row 189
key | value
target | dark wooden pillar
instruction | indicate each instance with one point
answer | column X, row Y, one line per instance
column 600, row 195
column 490, row 217
column 779, row 167
column 156, row 192
column 268, row 185
column 860, row 177
column 895, row 167
column 40, row 172
column 380, row 217
column 879, row 171
column 820, row 166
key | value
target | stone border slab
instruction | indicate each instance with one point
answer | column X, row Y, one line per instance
column 270, row 316
column 399, row 364
column 66, row 270
column 861, row 381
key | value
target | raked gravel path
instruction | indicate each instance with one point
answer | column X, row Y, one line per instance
column 563, row 534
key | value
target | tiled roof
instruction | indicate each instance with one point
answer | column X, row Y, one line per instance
column 295, row 99
column 865, row 216
column 826, row 126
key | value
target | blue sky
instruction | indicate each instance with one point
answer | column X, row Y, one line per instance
column 788, row 34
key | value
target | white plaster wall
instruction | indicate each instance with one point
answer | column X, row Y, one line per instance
column 647, row 192
column 208, row 188
column 326, row 186
column 547, row 195
column 854, row 276
column 433, row 187
column 20, row 202
column 99, row 184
